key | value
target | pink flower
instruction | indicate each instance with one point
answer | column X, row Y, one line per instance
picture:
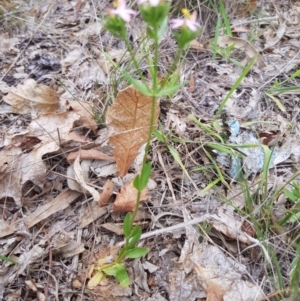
column 153, row 3
column 189, row 21
column 122, row 11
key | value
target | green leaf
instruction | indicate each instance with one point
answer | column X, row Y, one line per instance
column 136, row 252
column 136, row 182
column 206, row 128
column 162, row 28
column 290, row 195
column 118, row 271
column 168, row 91
column 111, row 271
column 294, row 217
column 176, row 156
column 283, row 90
column 134, row 236
column 277, row 101
column 221, row 148
column 225, row 18
column 145, row 175
column 122, row 276
column 138, row 85
column 95, row 280
column 121, row 252
column 159, row 136
column 127, row 225
column 4, row 258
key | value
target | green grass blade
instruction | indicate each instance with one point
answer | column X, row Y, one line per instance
column 4, row 258
column 225, row 18
column 234, row 87
column 206, row 128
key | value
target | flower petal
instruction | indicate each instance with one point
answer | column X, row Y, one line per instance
column 154, row 3
column 192, row 25
column 176, row 23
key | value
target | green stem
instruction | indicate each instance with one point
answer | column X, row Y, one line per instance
column 147, row 148
column 172, row 68
column 135, row 63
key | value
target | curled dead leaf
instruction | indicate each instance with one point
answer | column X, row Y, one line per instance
column 126, row 199
column 107, row 192
column 80, row 178
column 89, row 154
column 85, row 110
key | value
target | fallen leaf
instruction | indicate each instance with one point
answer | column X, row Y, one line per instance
column 130, row 118
column 116, row 55
column 71, row 58
column 274, row 36
column 33, row 98
column 76, row 284
column 118, row 229
column 126, row 199
column 17, row 168
column 55, row 127
column 61, row 202
column 90, row 214
column 195, row 45
column 10, row 174
column 229, row 225
column 64, row 244
column 221, row 276
column 89, row 154
column 85, row 110
column 191, row 88
column 225, row 41
column 107, row 192
column 81, row 180
column 214, row 292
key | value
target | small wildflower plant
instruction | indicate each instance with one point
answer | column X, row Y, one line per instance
column 155, row 15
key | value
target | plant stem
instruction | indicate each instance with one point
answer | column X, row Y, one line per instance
column 153, row 102
column 132, row 55
column 172, row 68
column 147, row 148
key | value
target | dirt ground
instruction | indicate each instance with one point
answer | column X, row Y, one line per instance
column 55, row 87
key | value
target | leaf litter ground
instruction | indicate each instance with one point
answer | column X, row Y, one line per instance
column 54, row 156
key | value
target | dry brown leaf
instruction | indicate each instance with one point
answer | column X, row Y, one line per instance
column 10, row 174
column 115, row 55
column 65, row 245
column 126, row 199
column 61, row 202
column 107, row 192
column 225, row 41
column 89, row 154
column 191, row 88
column 214, row 292
column 118, row 229
column 229, row 225
column 85, row 110
column 220, row 276
column 54, row 127
column 195, row 45
column 90, row 214
column 17, row 167
column 33, row 98
column 81, row 181
column 130, row 118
